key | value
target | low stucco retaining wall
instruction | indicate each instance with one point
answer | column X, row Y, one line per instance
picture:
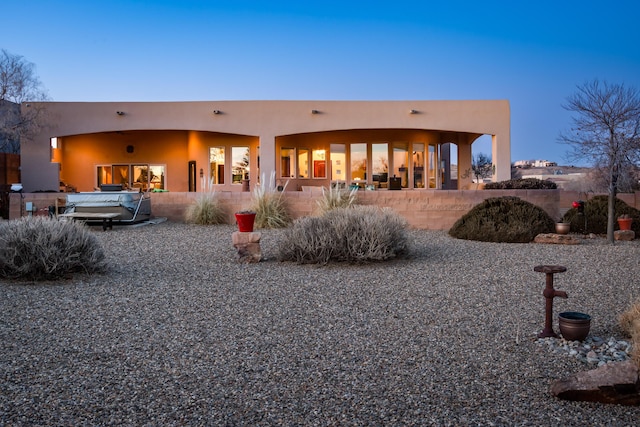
column 423, row 209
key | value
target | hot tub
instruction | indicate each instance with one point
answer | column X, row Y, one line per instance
column 131, row 206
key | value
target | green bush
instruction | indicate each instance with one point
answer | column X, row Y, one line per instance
column 503, row 219
column 206, row 210
column 269, row 205
column 38, row 248
column 357, row 234
column 335, row 198
column 595, row 213
column 522, row 184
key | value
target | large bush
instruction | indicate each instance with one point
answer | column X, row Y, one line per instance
column 595, row 214
column 503, row 219
column 522, row 184
column 357, row 234
column 38, row 248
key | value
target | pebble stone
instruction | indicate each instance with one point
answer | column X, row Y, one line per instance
column 177, row 333
column 593, row 351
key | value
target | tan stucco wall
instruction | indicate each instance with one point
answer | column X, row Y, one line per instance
column 426, row 209
column 265, row 121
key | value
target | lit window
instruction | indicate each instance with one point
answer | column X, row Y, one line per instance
column 287, row 162
column 319, row 163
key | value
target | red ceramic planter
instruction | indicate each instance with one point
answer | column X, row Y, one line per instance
column 625, row 223
column 245, row 221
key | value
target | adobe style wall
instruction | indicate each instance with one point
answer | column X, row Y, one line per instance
column 92, row 133
column 423, row 209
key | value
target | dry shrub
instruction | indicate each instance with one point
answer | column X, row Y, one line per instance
column 630, row 322
column 206, row 210
column 39, row 248
column 358, row 234
column 503, row 219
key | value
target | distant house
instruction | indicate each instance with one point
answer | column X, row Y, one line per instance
column 543, row 164
column 522, row 164
column 177, row 146
column 526, row 164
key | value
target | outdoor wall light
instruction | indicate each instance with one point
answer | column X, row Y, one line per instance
column 217, row 112
column 120, row 113
column 413, row 111
column 315, row 112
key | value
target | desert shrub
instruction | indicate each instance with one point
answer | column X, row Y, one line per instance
column 335, row 198
column 522, row 184
column 358, row 234
column 269, row 205
column 206, row 210
column 595, row 213
column 38, row 248
column 630, row 323
column 503, row 219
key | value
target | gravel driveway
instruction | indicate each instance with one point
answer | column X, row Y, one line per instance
column 179, row 333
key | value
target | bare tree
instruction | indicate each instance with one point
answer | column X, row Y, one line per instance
column 481, row 166
column 605, row 132
column 18, row 83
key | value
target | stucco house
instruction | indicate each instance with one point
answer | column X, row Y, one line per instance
column 178, row 146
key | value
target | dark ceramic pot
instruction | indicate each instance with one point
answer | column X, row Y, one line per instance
column 574, row 326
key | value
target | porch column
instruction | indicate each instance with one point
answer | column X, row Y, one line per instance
column 465, row 174
column 501, row 156
column 267, row 157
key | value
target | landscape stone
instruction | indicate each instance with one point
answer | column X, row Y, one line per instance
column 248, row 246
column 624, row 235
column 557, row 239
column 615, row 382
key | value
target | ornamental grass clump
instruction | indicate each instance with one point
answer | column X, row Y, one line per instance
column 269, row 205
column 357, row 234
column 630, row 323
column 335, row 198
column 38, row 248
column 503, row 219
column 206, row 210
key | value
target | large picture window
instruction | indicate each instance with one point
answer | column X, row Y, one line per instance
column 136, row 177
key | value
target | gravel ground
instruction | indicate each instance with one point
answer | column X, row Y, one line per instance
column 179, row 333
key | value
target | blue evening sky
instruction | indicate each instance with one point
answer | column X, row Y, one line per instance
column 531, row 53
